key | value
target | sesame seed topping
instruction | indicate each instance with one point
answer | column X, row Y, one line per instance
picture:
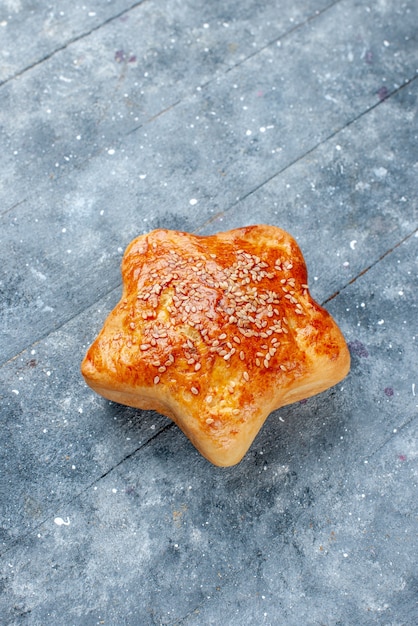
column 244, row 319
column 156, row 380
column 194, row 391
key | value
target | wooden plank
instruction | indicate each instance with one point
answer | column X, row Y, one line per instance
column 42, row 30
column 95, row 90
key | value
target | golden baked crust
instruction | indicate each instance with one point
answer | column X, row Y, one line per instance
column 216, row 333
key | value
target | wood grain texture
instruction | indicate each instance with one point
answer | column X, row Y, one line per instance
column 117, row 118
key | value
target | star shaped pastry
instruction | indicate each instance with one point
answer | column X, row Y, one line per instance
column 216, row 333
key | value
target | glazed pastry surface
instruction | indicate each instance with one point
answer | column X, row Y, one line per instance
column 216, row 333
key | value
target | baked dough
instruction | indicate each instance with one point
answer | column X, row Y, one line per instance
column 216, row 333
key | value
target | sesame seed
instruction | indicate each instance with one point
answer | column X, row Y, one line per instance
column 258, row 362
column 209, row 420
column 223, row 336
column 246, row 376
column 156, row 380
column 209, row 399
column 197, row 367
column 194, row 391
column 162, row 368
column 144, row 346
column 242, row 355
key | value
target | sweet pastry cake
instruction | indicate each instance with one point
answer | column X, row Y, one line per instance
column 216, row 333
